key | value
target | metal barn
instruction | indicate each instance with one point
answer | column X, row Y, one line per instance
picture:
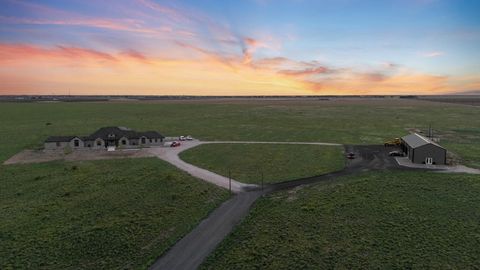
column 422, row 150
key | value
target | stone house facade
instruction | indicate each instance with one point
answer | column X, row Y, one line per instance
column 117, row 137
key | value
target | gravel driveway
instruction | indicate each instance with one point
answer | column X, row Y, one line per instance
column 170, row 155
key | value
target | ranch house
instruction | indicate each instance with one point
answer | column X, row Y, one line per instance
column 106, row 137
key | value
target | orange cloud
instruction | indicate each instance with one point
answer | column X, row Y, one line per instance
column 27, row 69
column 306, row 72
column 272, row 62
column 91, row 72
column 405, row 83
column 374, row 77
column 250, row 46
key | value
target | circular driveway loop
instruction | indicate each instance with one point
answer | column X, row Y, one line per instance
column 171, row 156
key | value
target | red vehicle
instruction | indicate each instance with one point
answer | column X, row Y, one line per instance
column 175, row 144
column 351, row 155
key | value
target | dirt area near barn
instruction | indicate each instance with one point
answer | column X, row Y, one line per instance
column 405, row 162
column 37, row 156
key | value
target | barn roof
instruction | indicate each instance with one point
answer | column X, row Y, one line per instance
column 416, row 140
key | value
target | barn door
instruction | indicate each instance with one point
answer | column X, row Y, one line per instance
column 429, row 161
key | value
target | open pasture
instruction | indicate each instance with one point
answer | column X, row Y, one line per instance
column 124, row 204
column 249, row 163
column 346, row 121
column 381, row 220
column 107, row 214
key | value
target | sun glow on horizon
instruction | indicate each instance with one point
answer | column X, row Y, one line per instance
column 156, row 48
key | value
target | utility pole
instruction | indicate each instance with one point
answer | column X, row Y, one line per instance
column 230, row 181
column 262, row 180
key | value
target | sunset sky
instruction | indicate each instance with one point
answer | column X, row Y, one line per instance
column 239, row 47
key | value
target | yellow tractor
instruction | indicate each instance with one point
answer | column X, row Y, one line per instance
column 393, row 142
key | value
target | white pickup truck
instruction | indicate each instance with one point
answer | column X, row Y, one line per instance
column 185, row 138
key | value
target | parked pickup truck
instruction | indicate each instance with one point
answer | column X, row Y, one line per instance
column 185, row 138
column 395, row 154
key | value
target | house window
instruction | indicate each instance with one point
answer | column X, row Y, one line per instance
column 58, row 144
column 151, row 140
column 99, row 143
column 143, row 140
column 76, row 143
column 155, row 140
column 124, row 142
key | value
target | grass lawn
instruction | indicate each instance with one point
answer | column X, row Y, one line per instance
column 339, row 121
column 117, row 214
column 278, row 162
column 383, row 220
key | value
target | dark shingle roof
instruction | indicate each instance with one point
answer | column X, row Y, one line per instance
column 123, row 132
column 151, row 135
column 104, row 132
column 416, row 140
column 60, row 138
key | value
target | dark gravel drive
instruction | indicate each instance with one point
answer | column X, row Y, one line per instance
column 193, row 249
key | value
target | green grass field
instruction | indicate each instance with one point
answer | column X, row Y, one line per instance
column 388, row 220
column 338, row 121
column 247, row 162
column 118, row 214
column 50, row 221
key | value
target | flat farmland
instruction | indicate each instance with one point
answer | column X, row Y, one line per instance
column 376, row 220
column 249, row 163
column 108, row 214
column 346, row 121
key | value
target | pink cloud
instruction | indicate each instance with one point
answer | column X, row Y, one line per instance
column 45, row 15
column 135, row 55
column 432, row 54
column 250, row 45
column 170, row 12
column 121, row 25
column 12, row 52
column 209, row 54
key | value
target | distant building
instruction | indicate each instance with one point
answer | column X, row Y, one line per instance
column 422, row 150
column 106, row 137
